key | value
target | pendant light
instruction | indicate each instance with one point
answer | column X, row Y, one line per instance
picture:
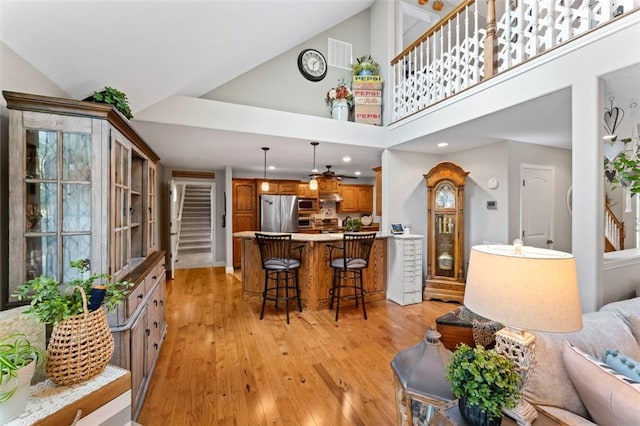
column 265, row 184
column 313, row 183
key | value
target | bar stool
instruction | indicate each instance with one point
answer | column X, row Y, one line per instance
column 347, row 269
column 279, row 267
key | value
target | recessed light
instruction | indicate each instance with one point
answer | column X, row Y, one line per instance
column 358, row 173
column 346, row 159
column 272, row 167
column 442, row 144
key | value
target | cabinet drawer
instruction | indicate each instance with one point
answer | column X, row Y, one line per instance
column 135, row 297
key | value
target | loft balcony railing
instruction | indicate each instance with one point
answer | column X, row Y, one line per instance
column 470, row 45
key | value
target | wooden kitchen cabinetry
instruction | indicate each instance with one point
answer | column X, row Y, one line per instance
column 305, row 192
column 84, row 186
column 445, row 238
column 245, row 212
column 378, row 171
column 288, row 187
column 328, row 185
column 356, row 199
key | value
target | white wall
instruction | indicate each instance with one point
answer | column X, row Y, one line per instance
column 277, row 84
column 483, row 225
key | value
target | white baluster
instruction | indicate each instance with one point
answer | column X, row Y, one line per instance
column 458, row 59
column 550, row 22
column 535, row 23
column 476, row 32
column 507, row 34
column 467, row 68
column 520, row 46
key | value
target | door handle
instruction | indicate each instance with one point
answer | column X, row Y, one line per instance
column 549, row 241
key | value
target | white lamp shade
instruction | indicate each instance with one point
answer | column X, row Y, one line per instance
column 534, row 290
column 264, row 186
column 313, row 184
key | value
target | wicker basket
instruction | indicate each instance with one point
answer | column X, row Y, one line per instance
column 80, row 346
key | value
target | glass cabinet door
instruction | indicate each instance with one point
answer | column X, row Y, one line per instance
column 57, row 204
column 121, row 196
column 445, row 244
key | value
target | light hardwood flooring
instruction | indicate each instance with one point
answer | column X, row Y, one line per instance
column 221, row 365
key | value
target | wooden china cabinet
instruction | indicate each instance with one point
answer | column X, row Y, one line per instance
column 445, row 232
column 84, row 185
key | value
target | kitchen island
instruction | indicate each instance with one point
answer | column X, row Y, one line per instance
column 316, row 276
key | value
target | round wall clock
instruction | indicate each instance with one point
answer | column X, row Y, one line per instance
column 312, row 65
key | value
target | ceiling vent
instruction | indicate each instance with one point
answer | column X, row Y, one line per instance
column 340, row 54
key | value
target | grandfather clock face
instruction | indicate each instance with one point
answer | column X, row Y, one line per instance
column 445, row 197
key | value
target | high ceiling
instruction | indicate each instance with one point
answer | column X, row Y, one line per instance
column 158, row 49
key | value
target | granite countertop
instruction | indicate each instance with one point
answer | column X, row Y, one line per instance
column 304, row 237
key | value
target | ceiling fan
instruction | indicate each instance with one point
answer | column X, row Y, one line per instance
column 330, row 174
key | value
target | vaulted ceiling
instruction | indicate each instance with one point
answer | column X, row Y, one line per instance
column 158, row 49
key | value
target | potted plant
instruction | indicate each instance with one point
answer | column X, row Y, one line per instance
column 352, row 224
column 340, row 99
column 53, row 302
column 113, row 97
column 18, row 361
column 365, row 65
column 75, row 310
column 484, row 382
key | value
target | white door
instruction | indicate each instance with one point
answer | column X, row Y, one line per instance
column 174, row 224
column 536, row 205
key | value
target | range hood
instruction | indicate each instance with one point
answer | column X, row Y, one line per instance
column 330, row 196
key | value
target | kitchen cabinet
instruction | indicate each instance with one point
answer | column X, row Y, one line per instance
column 245, row 212
column 305, row 192
column 83, row 187
column 378, row 171
column 273, row 187
column 328, row 185
column 445, row 226
column 288, row 187
column 356, row 199
column 405, row 264
column 139, row 326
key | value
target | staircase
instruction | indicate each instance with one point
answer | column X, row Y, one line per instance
column 613, row 231
column 195, row 226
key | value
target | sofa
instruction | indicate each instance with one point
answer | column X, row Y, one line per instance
column 570, row 380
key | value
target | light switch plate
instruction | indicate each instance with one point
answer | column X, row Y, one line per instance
column 492, row 205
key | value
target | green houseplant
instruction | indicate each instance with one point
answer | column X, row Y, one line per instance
column 113, row 97
column 624, row 169
column 352, row 224
column 52, row 302
column 365, row 65
column 18, row 361
column 483, row 380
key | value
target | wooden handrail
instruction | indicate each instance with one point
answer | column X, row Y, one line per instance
column 619, row 225
column 441, row 23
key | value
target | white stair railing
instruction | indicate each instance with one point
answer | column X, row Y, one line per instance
column 613, row 229
column 465, row 47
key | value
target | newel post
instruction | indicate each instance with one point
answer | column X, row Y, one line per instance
column 490, row 42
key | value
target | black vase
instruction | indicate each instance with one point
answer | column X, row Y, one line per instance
column 474, row 415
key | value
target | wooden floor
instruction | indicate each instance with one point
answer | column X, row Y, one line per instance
column 221, row 365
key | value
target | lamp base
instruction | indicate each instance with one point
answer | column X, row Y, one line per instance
column 519, row 346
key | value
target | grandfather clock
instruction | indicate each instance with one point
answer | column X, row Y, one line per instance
column 445, row 228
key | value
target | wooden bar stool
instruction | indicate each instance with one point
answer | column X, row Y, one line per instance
column 279, row 268
column 347, row 269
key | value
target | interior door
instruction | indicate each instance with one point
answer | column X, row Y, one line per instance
column 537, row 207
column 174, row 225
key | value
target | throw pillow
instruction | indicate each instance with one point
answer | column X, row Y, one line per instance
column 622, row 364
column 549, row 383
column 610, row 398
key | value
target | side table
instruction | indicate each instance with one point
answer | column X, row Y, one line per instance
column 449, row 415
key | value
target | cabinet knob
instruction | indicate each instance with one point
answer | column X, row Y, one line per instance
column 140, row 296
column 155, row 302
column 162, row 303
column 154, row 277
column 148, row 331
column 155, row 324
column 155, row 346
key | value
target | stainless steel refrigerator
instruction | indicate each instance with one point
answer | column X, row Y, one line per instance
column 279, row 213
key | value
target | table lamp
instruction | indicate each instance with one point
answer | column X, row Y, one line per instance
column 523, row 288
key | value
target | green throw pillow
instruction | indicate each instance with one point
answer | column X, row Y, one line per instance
column 622, row 364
